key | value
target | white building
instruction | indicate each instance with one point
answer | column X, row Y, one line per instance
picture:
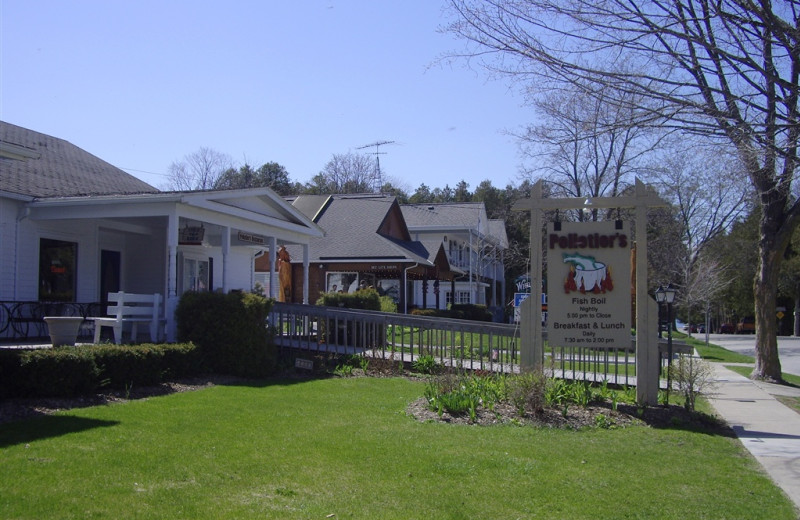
column 474, row 244
column 73, row 228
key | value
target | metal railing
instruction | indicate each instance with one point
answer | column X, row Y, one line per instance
column 453, row 343
column 404, row 338
column 23, row 320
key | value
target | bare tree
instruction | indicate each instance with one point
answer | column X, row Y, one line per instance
column 724, row 69
column 709, row 192
column 347, row 173
column 708, row 187
column 199, row 170
column 704, row 278
column 585, row 146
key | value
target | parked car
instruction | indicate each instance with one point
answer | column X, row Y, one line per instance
column 746, row 326
column 727, row 328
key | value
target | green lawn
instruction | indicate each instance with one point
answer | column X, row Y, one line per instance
column 713, row 353
column 345, row 447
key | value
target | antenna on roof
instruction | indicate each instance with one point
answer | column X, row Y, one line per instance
column 377, row 153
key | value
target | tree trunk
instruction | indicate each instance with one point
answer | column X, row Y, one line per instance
column 765, row 289
column 797, row 311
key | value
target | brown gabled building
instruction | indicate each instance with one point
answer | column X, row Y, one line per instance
column 366, row 244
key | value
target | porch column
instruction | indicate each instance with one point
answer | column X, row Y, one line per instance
column 273, row 258
column 305, row 274
column 226, row 249
column 502, row 280
column 171, row 299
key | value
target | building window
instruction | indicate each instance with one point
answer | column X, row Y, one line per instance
column 195, row 275
column 338, row 282
column 463, row 297
column 57, row 270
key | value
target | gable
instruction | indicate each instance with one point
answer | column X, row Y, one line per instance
column 394, row 225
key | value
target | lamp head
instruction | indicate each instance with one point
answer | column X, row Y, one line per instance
column 669, row 292
column 661, row 296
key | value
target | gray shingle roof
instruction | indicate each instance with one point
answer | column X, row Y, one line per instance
column 453, row 215
column 351, row 227
column 39, row 165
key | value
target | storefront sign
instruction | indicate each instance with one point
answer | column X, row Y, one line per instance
column 251, row 239
column 588, row 276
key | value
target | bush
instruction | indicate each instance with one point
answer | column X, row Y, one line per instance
column 457, row 311
column 693, row 376
column 70, row 371
column 527, row 391
column 468, row 311
column 426, row 364
column 367, row 299
column 340, row 333
column 123, row 366
column 62, row 372
column 181, row 360
column 388, row 304
column 230, row 330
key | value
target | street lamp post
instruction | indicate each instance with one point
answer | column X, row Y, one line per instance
column 667, row 295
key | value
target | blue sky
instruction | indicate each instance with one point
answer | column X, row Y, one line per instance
column 143, row 83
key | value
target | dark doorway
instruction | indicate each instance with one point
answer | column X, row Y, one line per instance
column 109, row 273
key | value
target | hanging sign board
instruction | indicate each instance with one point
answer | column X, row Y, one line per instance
column 588, row 276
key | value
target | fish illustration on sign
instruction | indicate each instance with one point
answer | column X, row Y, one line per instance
column 586, row 274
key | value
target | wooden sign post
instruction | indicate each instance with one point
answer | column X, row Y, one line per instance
column 531, row 342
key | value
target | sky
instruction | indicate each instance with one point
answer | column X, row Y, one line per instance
column 143, row 83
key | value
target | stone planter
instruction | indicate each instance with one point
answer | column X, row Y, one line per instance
column 63, row 329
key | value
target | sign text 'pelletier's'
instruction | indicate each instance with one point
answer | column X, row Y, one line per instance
column 588, row 241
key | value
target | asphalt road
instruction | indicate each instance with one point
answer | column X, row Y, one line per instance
column 788, row 347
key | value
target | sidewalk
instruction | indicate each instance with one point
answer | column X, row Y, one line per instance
column 766, row 427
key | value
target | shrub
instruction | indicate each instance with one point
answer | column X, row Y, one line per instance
column 469, row 311
column 431, row 313
column 230, row 330
column 366, row 299
column 57, row 372
column 426, row 364
column 388, row 304
column 527, row 391
column 457, row 311
column 70, row 371
column 181, row 360
column 693, row 376
column 123, row 366
column 9, row 372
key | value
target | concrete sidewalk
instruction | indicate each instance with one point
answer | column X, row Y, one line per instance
column 766, row 427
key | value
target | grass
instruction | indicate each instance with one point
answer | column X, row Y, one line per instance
column 345, row 447
column 711, row 352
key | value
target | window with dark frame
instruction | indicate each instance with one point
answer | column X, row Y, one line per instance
column 58, row 265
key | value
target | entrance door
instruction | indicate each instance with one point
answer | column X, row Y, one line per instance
column 110, row 262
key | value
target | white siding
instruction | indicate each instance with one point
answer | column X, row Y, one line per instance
column 9, row 209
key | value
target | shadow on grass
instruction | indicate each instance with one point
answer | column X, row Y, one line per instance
column 46, row 427
column 674, row 417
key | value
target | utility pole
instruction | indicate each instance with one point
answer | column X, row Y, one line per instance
column 377, row 153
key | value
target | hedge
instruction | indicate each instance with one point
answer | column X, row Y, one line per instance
column 72, row 371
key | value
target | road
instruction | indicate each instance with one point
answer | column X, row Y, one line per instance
column 788, row 347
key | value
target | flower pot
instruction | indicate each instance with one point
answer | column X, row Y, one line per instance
column 63, row 330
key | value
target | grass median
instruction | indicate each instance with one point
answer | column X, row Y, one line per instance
column 345, row 447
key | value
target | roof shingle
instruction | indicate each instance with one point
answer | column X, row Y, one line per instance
column 39, row 165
